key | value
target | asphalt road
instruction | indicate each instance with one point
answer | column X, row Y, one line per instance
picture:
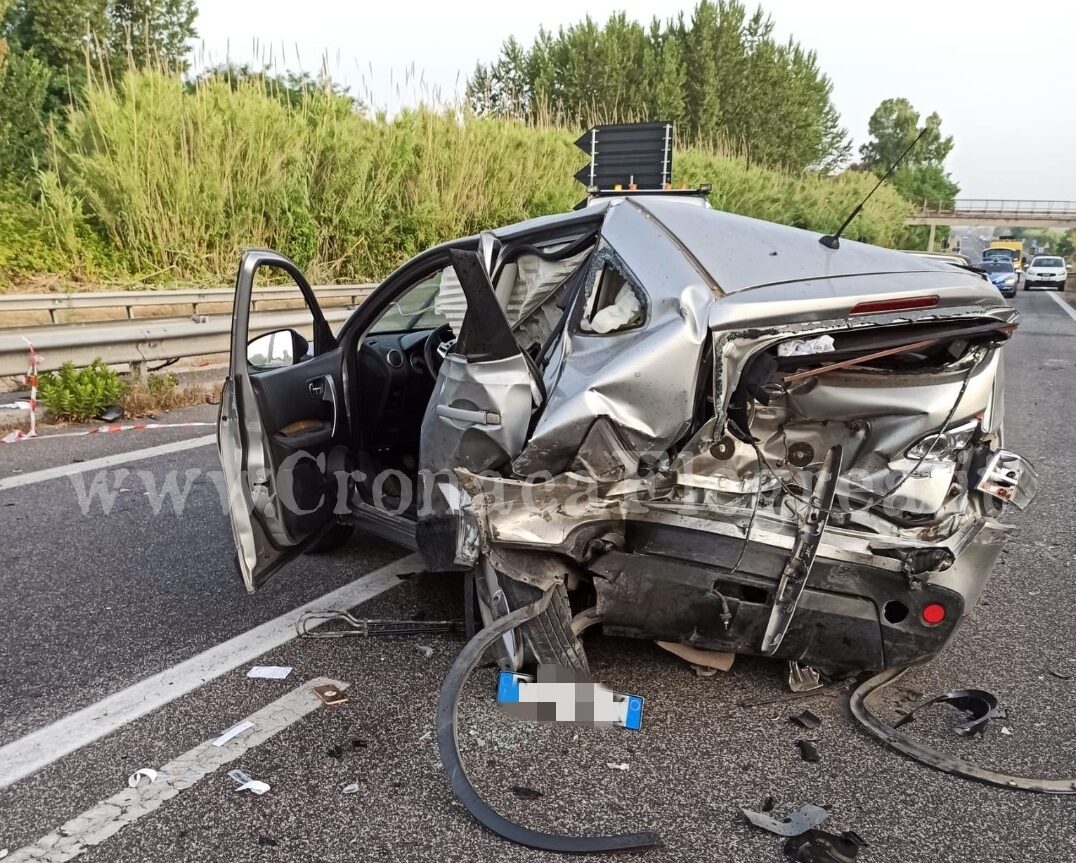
column 95, row 602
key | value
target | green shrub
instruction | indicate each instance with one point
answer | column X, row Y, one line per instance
column 78, row 395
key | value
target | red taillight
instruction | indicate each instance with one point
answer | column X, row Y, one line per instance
column 876, row 307
column 933, row 613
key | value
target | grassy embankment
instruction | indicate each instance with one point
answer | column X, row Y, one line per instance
column 150, row 184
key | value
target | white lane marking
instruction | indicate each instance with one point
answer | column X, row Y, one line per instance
column 40, row 748
column 110, row 816
column 1065, row 307
column 105, row 461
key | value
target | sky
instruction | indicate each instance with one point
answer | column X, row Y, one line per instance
column 1000, row 74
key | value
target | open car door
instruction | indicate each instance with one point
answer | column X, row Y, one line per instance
column 281, row 427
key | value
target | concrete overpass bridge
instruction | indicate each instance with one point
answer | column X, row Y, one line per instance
column 995, row 211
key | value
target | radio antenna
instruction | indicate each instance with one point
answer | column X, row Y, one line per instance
column 833, row 241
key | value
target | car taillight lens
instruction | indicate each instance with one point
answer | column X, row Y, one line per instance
column 946, row 444
column 933, row 613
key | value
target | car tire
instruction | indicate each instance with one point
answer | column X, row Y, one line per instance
column 335, row 537
column 548, row 639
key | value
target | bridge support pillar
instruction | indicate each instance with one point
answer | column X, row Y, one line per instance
column 930, row 240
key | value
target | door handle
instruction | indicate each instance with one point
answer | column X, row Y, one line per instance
column 489, row 418
column 324, row 389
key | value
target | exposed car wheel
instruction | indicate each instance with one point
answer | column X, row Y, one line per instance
column 333, row 539
column 548, row 639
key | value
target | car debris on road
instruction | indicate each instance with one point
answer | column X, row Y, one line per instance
column 796, row 822
column 233, row 732
column 245, row 783
column 270, row 672
column 979, row 705
column 818, row 846
column 330, row 695
column 147, row 773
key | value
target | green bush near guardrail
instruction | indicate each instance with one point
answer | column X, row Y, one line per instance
column 77, row 395
column 158, row 182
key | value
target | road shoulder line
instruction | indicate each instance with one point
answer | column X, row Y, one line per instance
column 123, row 809
column 39, row 748
column 1065, row 307
column 104, row 462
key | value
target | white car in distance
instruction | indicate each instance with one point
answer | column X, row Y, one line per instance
column 1048, row 271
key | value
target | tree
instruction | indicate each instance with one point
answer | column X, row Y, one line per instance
column 892, row 127
column 72, row 37
column 290, row 88
column 65, row 36
column 922, row 175
column 23, row 90
column 719, row 73
column 151, row 32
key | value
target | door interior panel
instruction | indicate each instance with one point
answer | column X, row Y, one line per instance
column 303, row 417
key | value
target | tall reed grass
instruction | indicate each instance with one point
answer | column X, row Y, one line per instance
column 152, row 180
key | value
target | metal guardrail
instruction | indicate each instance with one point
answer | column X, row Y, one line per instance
column 999, row 207
column 155, row 339
column 196, row 299
column 140, row 341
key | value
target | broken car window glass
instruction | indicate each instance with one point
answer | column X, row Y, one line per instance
column 612, row 304
column 435, row 300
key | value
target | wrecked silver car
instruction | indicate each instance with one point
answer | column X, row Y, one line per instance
column 680, row 424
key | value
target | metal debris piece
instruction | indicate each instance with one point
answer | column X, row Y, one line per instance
column 1061, row 675
column 270, row 672
column 245, row 783
column 802, row 678
column 425, row 650
column 705, row 663
column 525, row 793
column 806, row 719
column 110, row 414
column 978, row 703
column 330, row 695
column 1005, row 730
column 364, row 627
column 148, row 773
column 818, row 846
column 352, row 788
column 808, row 752
column 932, row 757
column 799, row 821
column 425, row 736
column 614, row 765
column 335, row 751
column 234, row 731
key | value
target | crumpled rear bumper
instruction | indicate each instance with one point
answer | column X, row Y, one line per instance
column 851, row 616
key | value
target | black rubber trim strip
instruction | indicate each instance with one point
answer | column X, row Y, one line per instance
column 449, row 750
column 934, row 758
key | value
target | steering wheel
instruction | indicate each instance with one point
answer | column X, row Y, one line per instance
column 438, row 344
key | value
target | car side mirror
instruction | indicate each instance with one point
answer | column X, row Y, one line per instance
column 277, row 349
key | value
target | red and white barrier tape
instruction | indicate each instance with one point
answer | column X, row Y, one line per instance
column 31, row 380
column 11, row 438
